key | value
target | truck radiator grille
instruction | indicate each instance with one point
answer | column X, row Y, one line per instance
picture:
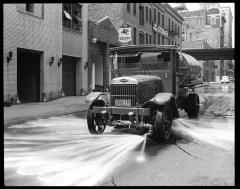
column 123, row 95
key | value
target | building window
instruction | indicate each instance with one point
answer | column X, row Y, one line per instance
column 197, row 35
column 159, row 17
column 183, row 39
column 190, row 36
column 146, row 13
column 218, row 20
column 208, row 20
column 169, row 41
column 134, row 9
column 141, row 15
column 213, row 21
column 159, row 39
column 172, row 25
column 154, row 15
column 150, row 39
column 150, row 15
column 162, row 40
column 29, row 7
column 141, row 38
column 172, row 42
column 178, row 31
column 146, row 38
column 134, row 36
column 154, row 38
column 72, row 18
column 169, row 24
column 128, row 7
column 162, row 20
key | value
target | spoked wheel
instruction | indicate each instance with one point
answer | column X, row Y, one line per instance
column 163, row 124
column 193, row 105
column 95, row 123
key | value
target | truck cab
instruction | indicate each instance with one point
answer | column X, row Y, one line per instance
column 149, row 84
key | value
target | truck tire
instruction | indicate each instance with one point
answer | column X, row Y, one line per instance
column 95, row 123
column 163, row 123
column 192, row 105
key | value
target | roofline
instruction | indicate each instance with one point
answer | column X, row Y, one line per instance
column 167, row 6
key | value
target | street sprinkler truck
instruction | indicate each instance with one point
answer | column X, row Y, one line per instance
column 150, row 83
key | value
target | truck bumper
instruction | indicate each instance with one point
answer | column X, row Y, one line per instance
column 122, row 110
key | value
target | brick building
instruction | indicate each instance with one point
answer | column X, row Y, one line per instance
column 151, row 23
column 37, row 48
column 228, row 64
column 206, row 24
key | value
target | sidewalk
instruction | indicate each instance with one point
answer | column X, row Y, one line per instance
column 17, row 114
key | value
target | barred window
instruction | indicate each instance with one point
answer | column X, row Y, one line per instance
column 72, row 17
column 146, row 38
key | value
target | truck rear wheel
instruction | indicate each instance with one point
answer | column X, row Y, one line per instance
column 162, row 126
column 192, row 105
column 95, row 123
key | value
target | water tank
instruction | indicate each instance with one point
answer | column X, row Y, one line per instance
column 190, row 69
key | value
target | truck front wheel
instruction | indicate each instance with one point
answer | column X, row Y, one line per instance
column 162, row 125
column 193, row 106
column 95, row 123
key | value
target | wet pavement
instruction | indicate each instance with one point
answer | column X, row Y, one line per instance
column 59, row 151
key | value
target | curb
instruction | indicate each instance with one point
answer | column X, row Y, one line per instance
column 20, row 121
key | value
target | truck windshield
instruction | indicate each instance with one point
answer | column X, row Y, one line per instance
column 130, row 60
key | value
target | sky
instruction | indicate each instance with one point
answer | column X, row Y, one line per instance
column 195, row 6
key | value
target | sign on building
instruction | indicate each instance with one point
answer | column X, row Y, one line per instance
column 158, row 29
column 124, row 35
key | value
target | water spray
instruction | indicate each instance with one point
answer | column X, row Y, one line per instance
column 141, row 158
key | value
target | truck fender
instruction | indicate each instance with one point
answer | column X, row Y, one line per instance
column 99, row 98
column 162, row 99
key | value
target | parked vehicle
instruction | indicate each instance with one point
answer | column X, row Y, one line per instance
column 151, row 82
column 225, row 79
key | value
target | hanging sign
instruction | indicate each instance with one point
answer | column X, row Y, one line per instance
column 160, row 30
column 124, row 35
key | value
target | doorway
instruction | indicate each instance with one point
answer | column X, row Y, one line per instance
column 98, row 60
column 69, row 75
column 28, row 75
